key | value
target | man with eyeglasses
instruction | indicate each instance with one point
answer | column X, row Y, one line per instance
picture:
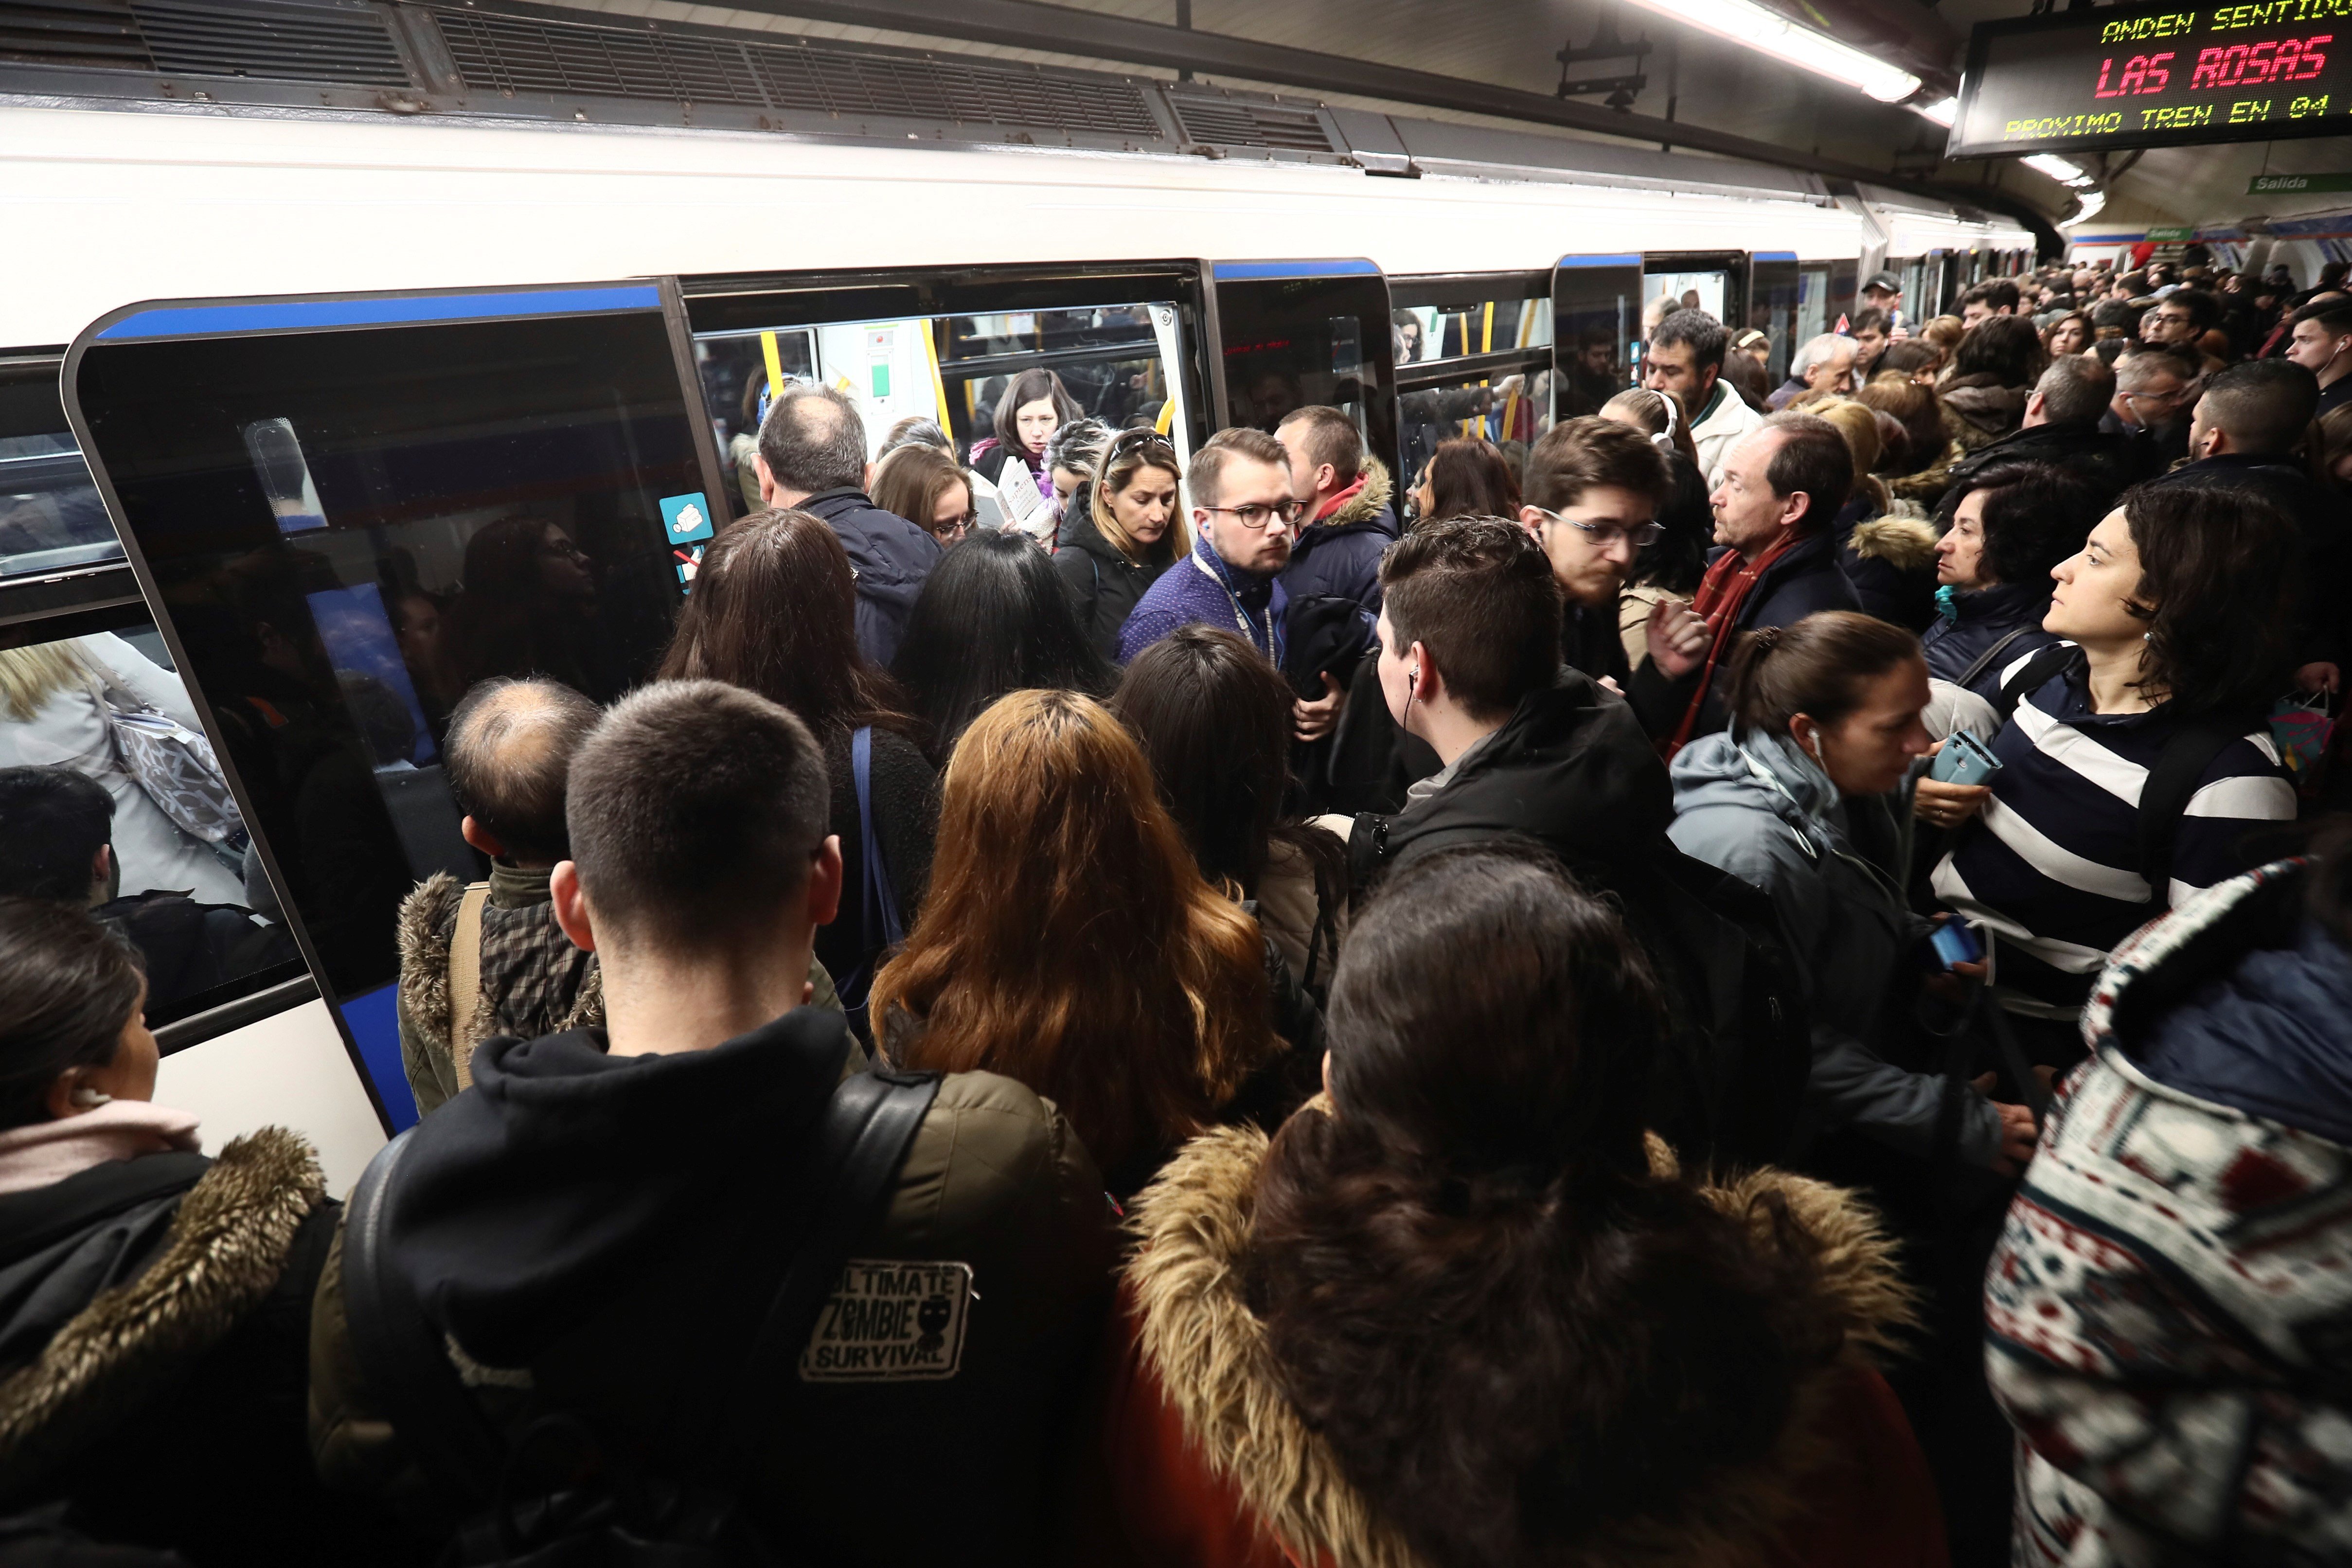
column 1242, row 509
column 1592, row 492
column 2155, row 387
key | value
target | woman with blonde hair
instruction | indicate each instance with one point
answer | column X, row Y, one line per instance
column 1889, row 555
column 1069, row 942
column 1123, row 529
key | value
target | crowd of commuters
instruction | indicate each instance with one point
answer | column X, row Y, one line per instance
column 1235, row 1029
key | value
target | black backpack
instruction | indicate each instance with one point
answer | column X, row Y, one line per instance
column 606, row 1517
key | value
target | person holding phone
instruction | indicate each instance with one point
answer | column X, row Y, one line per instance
column 1803, row 797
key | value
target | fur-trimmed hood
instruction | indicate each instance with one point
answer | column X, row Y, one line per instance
column 1209, row 1352
column 227, row 1242
column 1368, row 505
column 1907, row 544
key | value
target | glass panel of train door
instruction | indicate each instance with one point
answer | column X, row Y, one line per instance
column 1477, row 361
column 1778, row 310
column 1294, row 334
column 350, row 510
column 1596, row 303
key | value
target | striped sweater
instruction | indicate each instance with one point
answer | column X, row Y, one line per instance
column 2053, row 867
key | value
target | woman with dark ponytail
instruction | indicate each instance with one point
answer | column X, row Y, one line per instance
column 1803, row 796
column 1462, row 1312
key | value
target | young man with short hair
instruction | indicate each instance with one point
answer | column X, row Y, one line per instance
column 1993, row 296
column 1243, row 508
column 1592, row 491
column 1685, row 358
column 812, row 458
column 2320, row 340
column 1345, row 518
column 577, row 1231
column 1775, row 515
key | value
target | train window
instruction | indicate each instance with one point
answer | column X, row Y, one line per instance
column 348, row 528
column 1596, row 329
column 51, row 518
column 1298, row 333
column 106, row 706
column 1114, row 363
column 1778, row 308
column 1474, row 358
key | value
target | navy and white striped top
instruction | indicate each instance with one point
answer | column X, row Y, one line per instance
column 2053, row 867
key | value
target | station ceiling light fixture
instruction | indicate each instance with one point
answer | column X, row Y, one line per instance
column 1943, row 110
column 2058, row 169
column 2094, row 203
column 1765, row 30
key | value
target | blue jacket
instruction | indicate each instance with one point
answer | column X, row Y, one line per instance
column 888, row 556
column 1981, row 618
column 1194, row 591
column 1760, row 809
column 1341, row 557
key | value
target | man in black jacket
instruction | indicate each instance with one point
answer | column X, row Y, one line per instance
column 2062, row 426
column 813, row 457
column 1782, row 488
column 2243, row 436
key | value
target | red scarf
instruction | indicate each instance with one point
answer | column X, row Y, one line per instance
column 1720, row 593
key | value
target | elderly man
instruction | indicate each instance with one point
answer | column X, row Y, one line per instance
column 1824, row 365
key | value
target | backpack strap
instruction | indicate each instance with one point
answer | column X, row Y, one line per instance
column 1984, row 660
column 2172, row 784
column 465, row 983
column 2032, row 676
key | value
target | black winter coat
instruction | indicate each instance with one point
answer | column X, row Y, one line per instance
column 2108, row 459
column 1805, row 580
column 1987, row 615
column 1103, row 584
column 154, row 1331
column 889, row 556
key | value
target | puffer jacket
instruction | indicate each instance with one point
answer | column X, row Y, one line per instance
column 568, row 1226
column 2162, row 1312
column 1981, row 619
column 1103, row 583
column 1978, row 410
column 1339, row 556
column 154, row 1318
column 1202, row 1462
column 1757, row 808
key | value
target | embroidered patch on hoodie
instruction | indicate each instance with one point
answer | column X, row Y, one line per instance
column 890, row 1321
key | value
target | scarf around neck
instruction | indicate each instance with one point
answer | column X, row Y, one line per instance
column 45, row 1152
column 1721, row 593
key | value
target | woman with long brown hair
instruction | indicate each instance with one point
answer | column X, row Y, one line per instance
column 1069, row 941
column 1032, row 406
column 1125, row 526
column 1466, row 477
column 774, row 611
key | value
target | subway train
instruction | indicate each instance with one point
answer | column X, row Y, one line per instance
column 345, row 378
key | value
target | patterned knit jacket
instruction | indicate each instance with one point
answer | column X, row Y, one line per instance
column 2169, row 1311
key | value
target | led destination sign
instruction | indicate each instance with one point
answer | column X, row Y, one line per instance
column 2155, row 76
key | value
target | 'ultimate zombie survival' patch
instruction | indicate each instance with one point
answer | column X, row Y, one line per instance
column 890, row 1321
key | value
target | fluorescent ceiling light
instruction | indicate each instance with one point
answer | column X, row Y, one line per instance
column 1943, row 112
column 2057, row 168
column 2094, row 202
column 1768, row 32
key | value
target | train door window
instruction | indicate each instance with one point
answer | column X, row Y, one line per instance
column 1476, row 359
column 350, row 511
column 946, row 351
column 51, row 518
column 1295, row 334
column 1597, row 332
column 1778, row 310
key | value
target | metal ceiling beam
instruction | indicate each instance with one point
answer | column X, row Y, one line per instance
column 1028, row 24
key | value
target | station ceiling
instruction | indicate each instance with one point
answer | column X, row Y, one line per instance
column 1693, row 78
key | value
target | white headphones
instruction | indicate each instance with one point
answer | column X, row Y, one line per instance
column 89, row 1099
column 1665, row 438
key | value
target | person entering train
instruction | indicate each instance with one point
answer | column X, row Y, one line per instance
column 1685, row 358
column 155, row 1303
column 1243, row 508
column 1775, row 508
column 1461, row 1310
column 812, row 459
column 57, row 841
column 1125, row 527
column 1030, row 409
column 591, row 1239
column 1345, row 519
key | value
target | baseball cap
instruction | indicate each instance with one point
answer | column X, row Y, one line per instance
column 1885, row 282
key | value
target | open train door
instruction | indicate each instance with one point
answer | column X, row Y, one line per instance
column 347, row 509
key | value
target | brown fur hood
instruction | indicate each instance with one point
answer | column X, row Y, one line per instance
column 1907, row 544
column 1209, row 1352
column 226, row 1247
column 1368, row 502
column 427, row 921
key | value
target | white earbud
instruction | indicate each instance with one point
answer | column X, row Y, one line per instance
column 89, row 1099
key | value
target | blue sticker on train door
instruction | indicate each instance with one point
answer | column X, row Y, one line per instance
column 685, row 518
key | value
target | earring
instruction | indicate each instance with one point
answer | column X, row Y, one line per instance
column 89, row 1098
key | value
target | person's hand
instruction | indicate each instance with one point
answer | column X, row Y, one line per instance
column 1941, row 804
column 1896, row 334
column 1313, row 720
column 1609, row 683
column 2017, row 1134
column 2319, row 677
column 1678, row 637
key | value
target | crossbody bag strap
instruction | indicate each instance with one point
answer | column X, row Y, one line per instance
column 1984, row 660
column 465, row 983
column 406, row 1365
column 883, row 926
column 854, row 1165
